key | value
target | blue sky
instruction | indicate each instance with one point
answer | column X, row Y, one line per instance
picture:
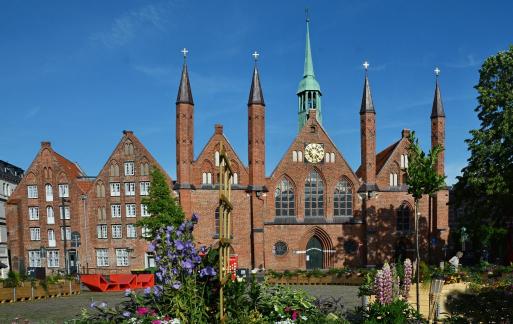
column 77, row 73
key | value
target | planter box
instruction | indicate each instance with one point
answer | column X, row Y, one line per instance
column 351, row 280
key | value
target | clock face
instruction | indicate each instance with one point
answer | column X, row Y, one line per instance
column 314, row 153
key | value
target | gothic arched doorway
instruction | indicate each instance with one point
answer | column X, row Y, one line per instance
column 314, row 254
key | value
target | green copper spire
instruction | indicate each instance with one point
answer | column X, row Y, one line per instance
column 309, row 90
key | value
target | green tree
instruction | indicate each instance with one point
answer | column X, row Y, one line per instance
column 422, row 179
column 162, row 206
column 485, row 189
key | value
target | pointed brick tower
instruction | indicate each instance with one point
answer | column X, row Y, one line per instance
column 184, row 140
column 440, row 209
column 368, row 138
column 256, row 160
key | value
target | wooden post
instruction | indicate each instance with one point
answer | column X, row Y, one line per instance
column 225, row 208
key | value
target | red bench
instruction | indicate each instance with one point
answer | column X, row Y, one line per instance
column 118, row 282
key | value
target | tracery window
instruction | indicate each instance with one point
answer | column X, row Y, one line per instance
column 403, row 217
column 314, row 195
column 284, row 199
column 343, row 199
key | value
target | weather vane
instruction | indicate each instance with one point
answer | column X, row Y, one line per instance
column 184, row 51
column 255, row 56
column 366, row 65
column 437, row 71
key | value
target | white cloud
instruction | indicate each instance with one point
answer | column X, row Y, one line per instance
column 126, row 27
column 466, row 62
column 31, row 113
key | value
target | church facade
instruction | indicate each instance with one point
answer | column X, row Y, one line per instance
column 312, row 211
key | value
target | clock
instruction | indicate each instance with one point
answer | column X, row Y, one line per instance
column 314, row 153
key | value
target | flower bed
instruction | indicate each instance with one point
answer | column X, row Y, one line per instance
column 344, row 277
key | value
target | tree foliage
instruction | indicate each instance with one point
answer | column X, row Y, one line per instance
column 162, row 206
column 485, row 189
column 422, row 178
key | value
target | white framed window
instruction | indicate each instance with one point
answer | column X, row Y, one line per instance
column 68, row 233
column 115, row 210
column 101, row 231
column 131, row 231
column 115, row 189
column 294, row 156
column 129, row 188
column 145, row 232
column 144, row 188
column 51, row 238
column 64, row 190
column 48, row 192
column 332, row 157
column 102, row 257
column 149, row 260
column 206, row 178
column 216, row 158
column 130, row 210
column 34, row 258
column 33, row 213
column 50, row 217
column 393, row 180
column 144, row 210
column 52, row 258
column 32, row 191
column 406, row 161
column 67, row 213
column 235, row 178
column 300, row 156
column 122, row 257
column 129, row 168
column 327, row 157
column 117, row 232
column 35, row 234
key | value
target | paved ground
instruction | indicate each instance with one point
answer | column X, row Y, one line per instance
column 56, row 310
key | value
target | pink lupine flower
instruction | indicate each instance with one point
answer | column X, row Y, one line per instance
column 408, row 274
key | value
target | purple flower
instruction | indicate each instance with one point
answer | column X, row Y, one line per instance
column 177, row 285
column 169, row 229
column 187, row 264
column 157, row 290
column 194, row 218
column 408, row 274
column 178, row 233
column 147, row 291
column 127, row 314
column 179, row 245
column 207, row 271
column 151, row 247
column 181, row 228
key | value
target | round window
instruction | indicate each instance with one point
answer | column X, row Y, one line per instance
column 350, row 246
column 280, row 248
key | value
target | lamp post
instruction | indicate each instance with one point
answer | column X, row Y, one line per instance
column 66, row 267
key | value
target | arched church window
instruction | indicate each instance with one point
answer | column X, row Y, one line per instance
column 403, row 217
column 332, row 157
column 300, row 156
column 314, row 195
column 327, row 158
column 343, row 199
column 294, row 156
column 393, row 180
column 284, row 199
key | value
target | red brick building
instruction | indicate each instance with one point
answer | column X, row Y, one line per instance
column 103, row 210
column 312, row 211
